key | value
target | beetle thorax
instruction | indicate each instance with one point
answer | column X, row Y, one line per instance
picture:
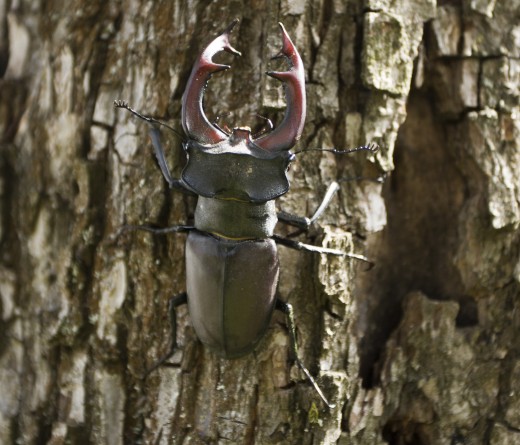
column 236, row 168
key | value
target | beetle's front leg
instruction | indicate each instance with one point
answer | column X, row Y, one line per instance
column 173, row 304
column 304, row 223
column 155, row 136
column 287, row 309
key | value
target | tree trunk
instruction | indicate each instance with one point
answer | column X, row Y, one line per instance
column 422, row 349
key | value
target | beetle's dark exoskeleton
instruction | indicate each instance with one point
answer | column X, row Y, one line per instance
column 231, row 257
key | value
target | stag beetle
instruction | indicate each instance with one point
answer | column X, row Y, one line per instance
column 231, row 257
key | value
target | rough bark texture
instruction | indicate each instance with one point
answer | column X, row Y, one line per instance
column 423, row 349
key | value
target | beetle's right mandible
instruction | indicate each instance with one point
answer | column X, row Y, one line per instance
column 284, row 136
column 194, row 121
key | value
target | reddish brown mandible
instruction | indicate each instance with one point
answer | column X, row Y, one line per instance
column 284, row 136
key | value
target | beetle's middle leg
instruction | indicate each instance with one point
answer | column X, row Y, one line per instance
column 297, row 245
column 173, row 304
column 287, row 309
column 150, row 229
column 157, row 230
column 302, row 222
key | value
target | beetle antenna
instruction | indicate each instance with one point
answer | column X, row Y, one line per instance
column 372, row 148
column 154, row 122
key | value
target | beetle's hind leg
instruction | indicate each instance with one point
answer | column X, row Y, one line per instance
column 173, row 304
column 287, row 309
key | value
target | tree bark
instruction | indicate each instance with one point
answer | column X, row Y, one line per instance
column 421, row 349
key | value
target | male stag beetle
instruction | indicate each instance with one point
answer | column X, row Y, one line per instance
column 231, row 258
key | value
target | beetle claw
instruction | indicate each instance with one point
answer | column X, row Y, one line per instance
column 225, row 34
column 196, row 124
column 291, row 128
column 284, row 76
column 194, row 121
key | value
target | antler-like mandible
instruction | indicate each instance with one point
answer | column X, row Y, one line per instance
column 194, row 121
column 289, row 131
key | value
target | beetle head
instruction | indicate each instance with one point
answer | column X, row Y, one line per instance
column 237, row 165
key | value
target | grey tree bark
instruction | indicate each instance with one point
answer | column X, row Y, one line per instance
column 422, row 349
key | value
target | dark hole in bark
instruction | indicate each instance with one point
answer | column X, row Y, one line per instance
column 468, row 312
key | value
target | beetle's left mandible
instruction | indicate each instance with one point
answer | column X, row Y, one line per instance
column 194, row 121
column 285, row 135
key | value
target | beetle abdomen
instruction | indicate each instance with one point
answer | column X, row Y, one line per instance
column 231, row 288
